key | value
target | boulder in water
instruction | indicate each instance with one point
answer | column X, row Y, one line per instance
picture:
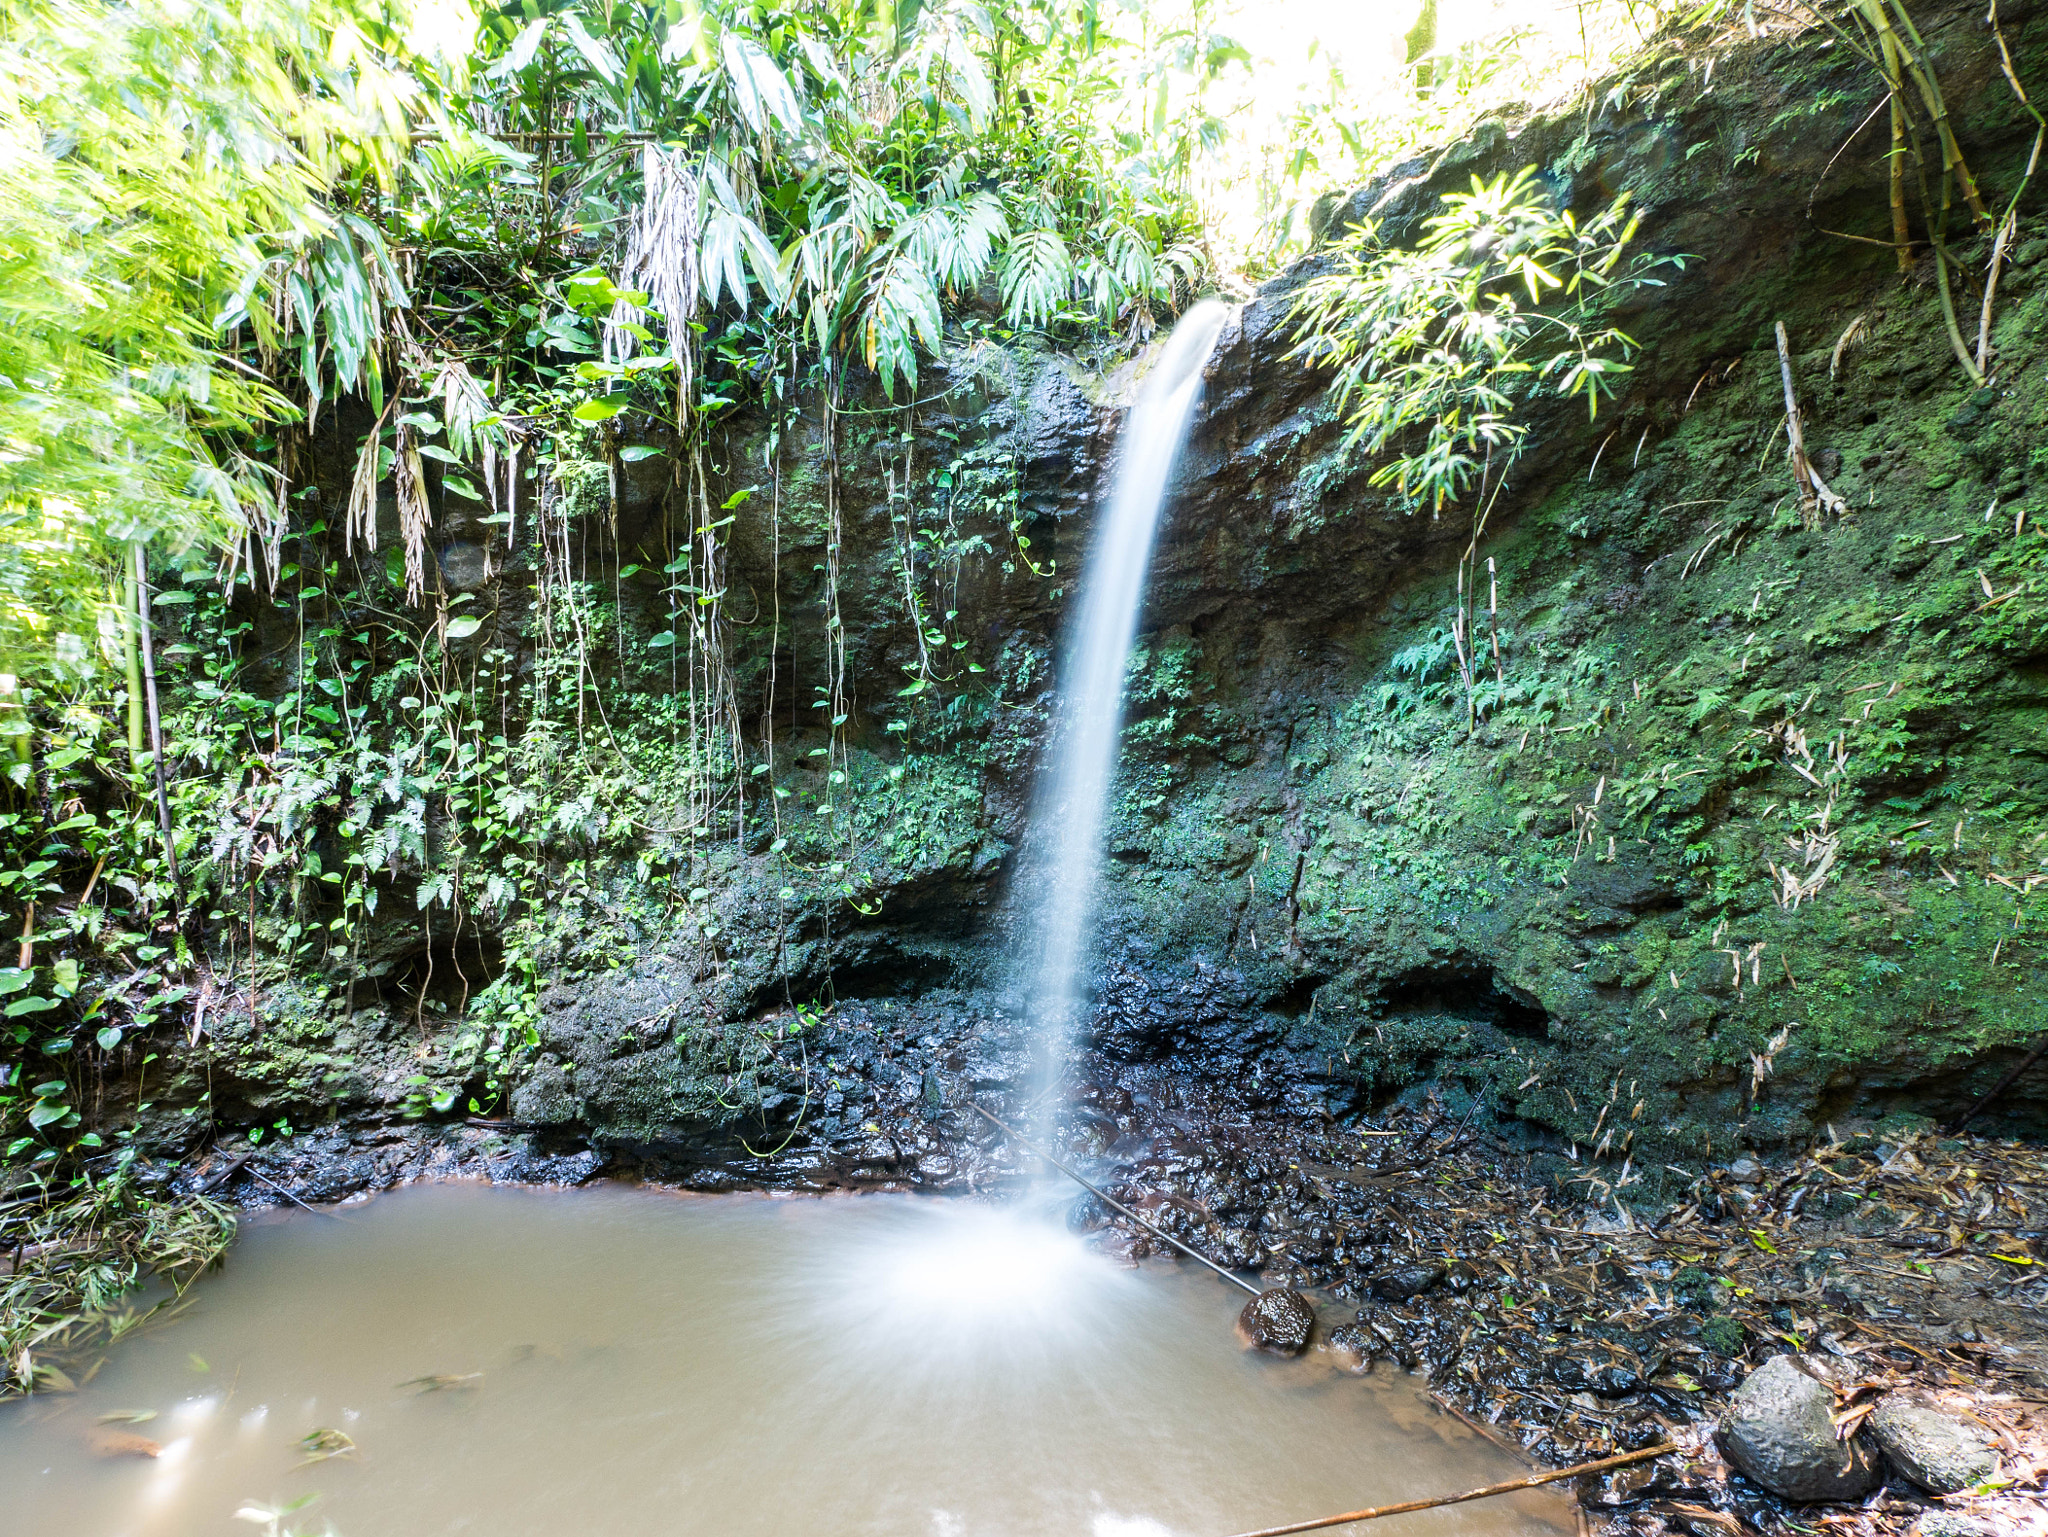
column 1780, row 1431
column 1353, row 1346
column 1278, row 1321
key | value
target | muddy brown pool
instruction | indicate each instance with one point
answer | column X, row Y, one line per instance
column 736, row 1365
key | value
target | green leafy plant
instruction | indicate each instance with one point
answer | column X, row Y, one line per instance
column 137, row 196
column 1432, row 349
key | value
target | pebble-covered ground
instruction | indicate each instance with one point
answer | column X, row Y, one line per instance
column 1573, row 1325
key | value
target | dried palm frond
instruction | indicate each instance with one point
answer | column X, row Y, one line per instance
column 661, row 254
column 76, row 1257
column 414, row 516
column 359, row 521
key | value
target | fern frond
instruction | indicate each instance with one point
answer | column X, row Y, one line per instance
column 1038, row 273
column 954, row 241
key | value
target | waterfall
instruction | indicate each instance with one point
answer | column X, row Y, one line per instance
column 1064, row 848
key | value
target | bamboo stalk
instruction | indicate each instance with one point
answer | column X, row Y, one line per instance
column 1916, row 66
column 1948, row 314
column 1374, row 1512
column 1902, row 234
column 2010, row 225
column 156, row 724
column 131, row 668
column 2005, row 231
column 15, row 725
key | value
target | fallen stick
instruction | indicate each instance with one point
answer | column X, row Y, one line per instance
column 1109, row 1200
column 1376, row 1511
column 214, row 1182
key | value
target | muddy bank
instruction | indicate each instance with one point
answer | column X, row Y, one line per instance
column 1575, row 1320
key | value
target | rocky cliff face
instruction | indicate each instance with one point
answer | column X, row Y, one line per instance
column 1733, row 835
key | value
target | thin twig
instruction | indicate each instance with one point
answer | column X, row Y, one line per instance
column 274, row 1185
column 1996, row 1089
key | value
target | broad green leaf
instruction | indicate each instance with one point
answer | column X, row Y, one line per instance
column 759, row 88
column 524, row 47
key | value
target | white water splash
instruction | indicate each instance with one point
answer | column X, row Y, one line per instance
column 1063, row 858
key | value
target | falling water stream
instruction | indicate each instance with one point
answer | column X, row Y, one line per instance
column 1064, row 851
column 620, row 1362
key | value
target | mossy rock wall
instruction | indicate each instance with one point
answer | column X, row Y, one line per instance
column 1734, row 834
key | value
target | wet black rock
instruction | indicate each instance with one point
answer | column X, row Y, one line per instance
column 1279, row 1321
column 1087, row 1215
column 1462, row 1277
column 1615, row 1381
column 1609, row 1379
column 1405, row 1281
column 1780, row 1432
column 1238, row 1248
column 1639, row 1432
column 1933, row 1448
column 1569, row 1372
column 1353, row 1345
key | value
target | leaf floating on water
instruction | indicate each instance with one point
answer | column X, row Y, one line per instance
column 319, row 1445
column 120, row 1444
column 440, row 1383
column 128, row 1417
